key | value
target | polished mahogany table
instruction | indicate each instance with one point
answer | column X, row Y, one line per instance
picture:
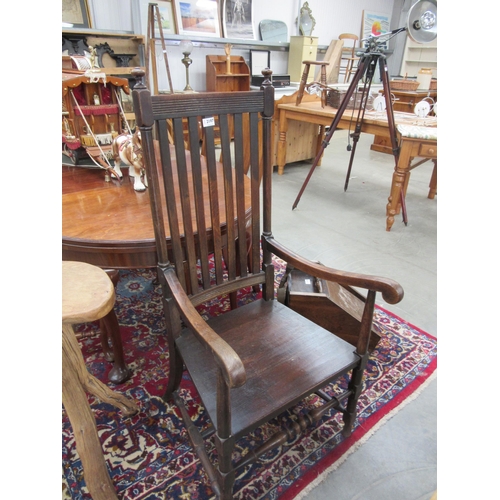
column 108, row 224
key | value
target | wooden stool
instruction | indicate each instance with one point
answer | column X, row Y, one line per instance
column 111, row 340
column 305, row 75
column 88, row 295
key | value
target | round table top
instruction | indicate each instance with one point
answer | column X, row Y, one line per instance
column 109, row 224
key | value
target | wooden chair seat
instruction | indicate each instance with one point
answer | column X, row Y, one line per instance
column 284, row 372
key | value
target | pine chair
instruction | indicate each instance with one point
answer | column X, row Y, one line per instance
column 349, row 55
column 251, row 363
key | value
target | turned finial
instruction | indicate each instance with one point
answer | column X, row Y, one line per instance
column 267, row 77
column 138, row 74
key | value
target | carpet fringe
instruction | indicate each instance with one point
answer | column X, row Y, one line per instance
column 322, row 477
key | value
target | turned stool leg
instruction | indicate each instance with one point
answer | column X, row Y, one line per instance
column 305, row 76
column 303, row 82
column 323, row 82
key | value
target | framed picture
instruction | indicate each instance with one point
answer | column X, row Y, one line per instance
column 197, row 18
column 167, row 18
column 237, row 19
column 375, row 24
column 76, row 12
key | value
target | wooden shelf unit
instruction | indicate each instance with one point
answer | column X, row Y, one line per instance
column 417, row 56
column 75, row 41
column 219, row 80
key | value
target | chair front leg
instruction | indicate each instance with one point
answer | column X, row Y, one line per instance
column 224, row 441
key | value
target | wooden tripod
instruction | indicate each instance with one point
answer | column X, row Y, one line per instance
column 368, row 62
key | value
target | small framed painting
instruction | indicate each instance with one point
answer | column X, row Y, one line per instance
column 375, row 23
column 76, row 12
column 237, row 19
column 197, row 18
column 167, row 18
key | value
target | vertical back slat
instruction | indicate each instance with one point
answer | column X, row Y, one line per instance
column 199, row 196
column 213, row 192
column 255, row 180
column 168, row 182
column 225, row 138
column 184, row 195
column 239, row 161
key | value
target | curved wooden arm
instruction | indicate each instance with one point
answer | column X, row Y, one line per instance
column 224, row 355
column 391, row 290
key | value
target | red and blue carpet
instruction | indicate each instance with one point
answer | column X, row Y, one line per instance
column 149, row 455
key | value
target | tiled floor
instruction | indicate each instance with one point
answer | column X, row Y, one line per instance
column 346, row 230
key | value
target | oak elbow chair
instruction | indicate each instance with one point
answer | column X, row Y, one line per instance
column 254, row 362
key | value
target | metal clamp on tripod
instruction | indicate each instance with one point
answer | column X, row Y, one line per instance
column 422, row 27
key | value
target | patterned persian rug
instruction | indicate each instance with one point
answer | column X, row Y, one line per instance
column 149, row 456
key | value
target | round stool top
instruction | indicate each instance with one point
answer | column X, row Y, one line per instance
column 87, row 292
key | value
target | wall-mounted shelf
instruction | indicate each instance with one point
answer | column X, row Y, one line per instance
column 198, row 41
column 235, row 42
column 120, row 43
column 219, row 80
column 221, row 42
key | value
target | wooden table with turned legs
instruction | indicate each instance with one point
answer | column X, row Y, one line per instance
column 310, row 110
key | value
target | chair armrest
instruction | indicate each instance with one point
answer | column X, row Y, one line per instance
column 226, row 358
column 391, row 290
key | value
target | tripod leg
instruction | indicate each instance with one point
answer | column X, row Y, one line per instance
column 362, row 67
column 359, row 120
column 355, row 139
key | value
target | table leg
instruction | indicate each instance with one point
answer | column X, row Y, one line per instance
column 406, row 181
column 319, row 141
column 398, row 183
column 281, row 155
column 433, row 183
